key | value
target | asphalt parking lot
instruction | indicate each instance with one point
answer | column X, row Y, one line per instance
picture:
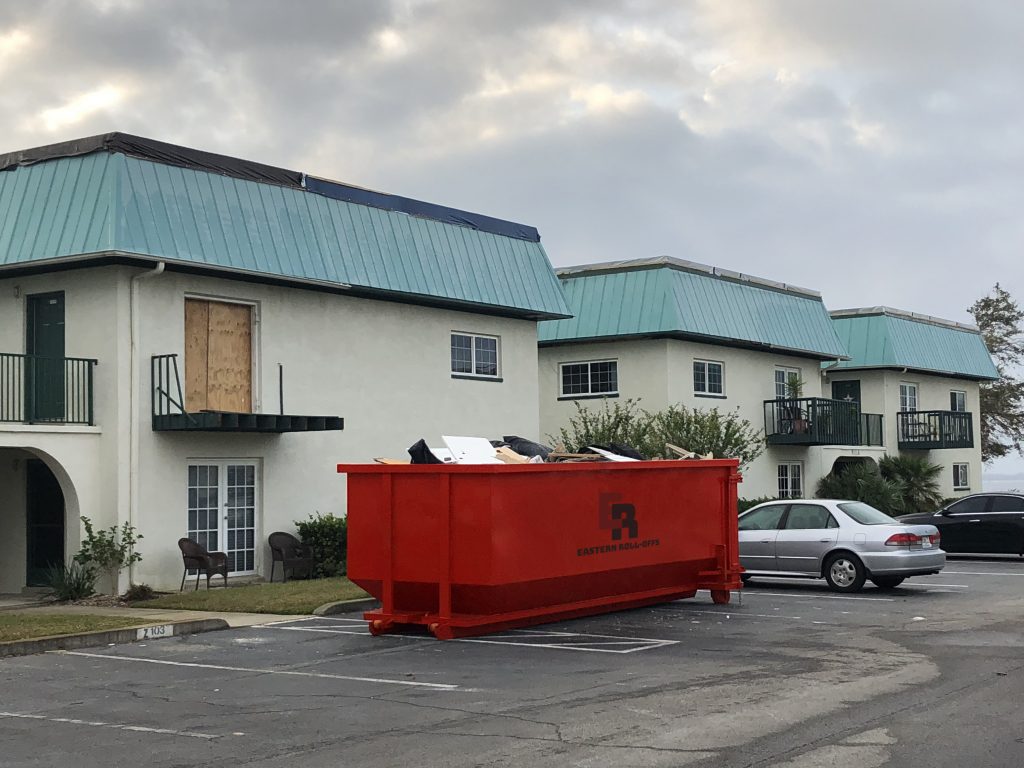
column 793, row 675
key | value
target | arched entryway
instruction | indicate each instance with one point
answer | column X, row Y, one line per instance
column 845, row 462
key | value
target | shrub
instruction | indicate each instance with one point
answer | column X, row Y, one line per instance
column 138, row 592
column 725, row 435
column 613, row 422
column 862, row 482
column 916, row 480
column 743, row 505
column 109, row 550
column 71, row 581
column 327, row 537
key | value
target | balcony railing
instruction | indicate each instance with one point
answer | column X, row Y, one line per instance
column 46, row 390
column 820, row 421
column 934, row 430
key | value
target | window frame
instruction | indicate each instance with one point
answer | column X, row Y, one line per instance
column 589, row 394
column 956, row 395
column 496, row 376
column 769, row 507
column 966, row 469
column 831, row 523
column 785, row 371
column 909, row 385
column 789, row 465
column 706, row 392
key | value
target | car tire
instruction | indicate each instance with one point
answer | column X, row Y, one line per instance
column 845, row 572
column 887, row 582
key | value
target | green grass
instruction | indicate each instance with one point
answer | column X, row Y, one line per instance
column 291, row 597
column 26, row 626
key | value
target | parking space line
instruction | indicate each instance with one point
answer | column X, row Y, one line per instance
column 116, row 726
column 288, row 672
column 571, row 646
column 737, row 614
column 817, row 597
column 981, row 573
column 324, row 630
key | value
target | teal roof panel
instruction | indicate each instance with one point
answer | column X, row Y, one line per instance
column 109, row 202
column 885, row 338
column 668, row 297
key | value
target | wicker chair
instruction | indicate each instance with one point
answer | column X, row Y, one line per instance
column 195, row 557
column 291, row 553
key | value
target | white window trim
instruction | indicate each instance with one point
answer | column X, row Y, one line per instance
column 959, row 392
column 917, row 397
column 708, row 392
column 472, row 356
column 563, row 395
column 786, row 371
column 966, row 484
column 789, row 479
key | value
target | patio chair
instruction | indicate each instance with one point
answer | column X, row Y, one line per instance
column 291, row 553
column 195, row 557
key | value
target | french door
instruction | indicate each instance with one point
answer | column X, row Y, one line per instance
column 223, row 510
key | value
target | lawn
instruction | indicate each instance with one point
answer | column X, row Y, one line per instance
column 25, row 626
column 291, row 597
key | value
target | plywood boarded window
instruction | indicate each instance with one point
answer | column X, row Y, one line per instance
column 218, row 356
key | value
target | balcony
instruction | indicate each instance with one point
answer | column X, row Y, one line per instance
column 46, row 390
column 934, row 430
column 170, row 414
column 820, row 421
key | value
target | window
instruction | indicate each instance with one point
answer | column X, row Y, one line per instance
column 763, row 519
column 475, row 356
column 804, row 517
column 1008, row 504
column 783, row 375
column 972, row 505
column 957, row 401
column 791, row 480
column 865, row 514
column 600, row 377
column 960, row 479
column 708, row 378
column 908, row 397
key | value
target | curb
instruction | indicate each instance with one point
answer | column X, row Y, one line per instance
column 109, row 637
column 347, row 606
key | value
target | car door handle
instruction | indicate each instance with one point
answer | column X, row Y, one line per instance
column 824, row 541
column 974, row 521
column 766, row 541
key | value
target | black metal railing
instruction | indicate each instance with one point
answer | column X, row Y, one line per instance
column 46, row 390
column 933, row 430
column 820, row 421
column 168, row 399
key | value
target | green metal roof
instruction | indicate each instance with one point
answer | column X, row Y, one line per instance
column 670, row 297
column 881, row 337
column 108, row 203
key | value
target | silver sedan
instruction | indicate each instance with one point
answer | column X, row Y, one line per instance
column 843, row 542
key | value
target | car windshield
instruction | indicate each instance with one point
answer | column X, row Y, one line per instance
column 865, row 514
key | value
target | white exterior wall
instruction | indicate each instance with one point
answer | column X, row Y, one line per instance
column 383, row 366
column 660, row 373
column 880, row 393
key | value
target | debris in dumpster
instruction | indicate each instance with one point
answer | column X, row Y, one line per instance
column 620, row 449
column 525, row 447
column 471, row 450
column 509, row 456
column 566, row 456
column 383, row 460
column 611, row 456
column 421, row 454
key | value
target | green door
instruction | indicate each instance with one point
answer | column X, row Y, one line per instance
column 44, row 368
column 45, row 522
column 846, row 390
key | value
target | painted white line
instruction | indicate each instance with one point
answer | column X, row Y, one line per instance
column 289, row 621
column 982, row 573
column 818, row 597
column 738, row 615
column 116, row 726
column 363, row 633
column 292, row 673
column 936, row 584
column 566, row 646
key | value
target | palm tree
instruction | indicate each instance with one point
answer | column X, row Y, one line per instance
column 917, row 481
column 862, row 482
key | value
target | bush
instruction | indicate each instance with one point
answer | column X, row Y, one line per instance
column 139, row 592
column 72, row 581
column 916, row 480
column 725, row 435
column 109, row 550
column 327, row 537
column 743, row 505
column 862, row 482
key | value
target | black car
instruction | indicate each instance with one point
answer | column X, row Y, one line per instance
column 982, row 523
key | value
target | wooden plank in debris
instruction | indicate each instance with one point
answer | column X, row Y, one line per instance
column 383, row 460
column 507, row 455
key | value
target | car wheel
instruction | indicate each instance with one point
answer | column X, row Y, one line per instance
column 845, row 573
column 887, row 582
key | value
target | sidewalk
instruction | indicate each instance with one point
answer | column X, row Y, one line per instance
column 157, row 615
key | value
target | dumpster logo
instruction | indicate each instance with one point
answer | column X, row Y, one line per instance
column 617, row 517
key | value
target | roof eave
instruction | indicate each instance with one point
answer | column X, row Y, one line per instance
column 697, row 338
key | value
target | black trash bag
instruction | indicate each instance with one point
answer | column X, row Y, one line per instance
column 421, row 454
column 498, row 444
column 525, row 447
column 622, row 450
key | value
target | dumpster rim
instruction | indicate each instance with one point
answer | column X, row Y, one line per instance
column 582, row 466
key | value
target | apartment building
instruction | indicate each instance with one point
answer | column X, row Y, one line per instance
column 191, row 342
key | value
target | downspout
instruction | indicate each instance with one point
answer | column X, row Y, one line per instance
column 133, row 399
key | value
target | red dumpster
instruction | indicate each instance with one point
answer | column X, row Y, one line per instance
column 469, row 549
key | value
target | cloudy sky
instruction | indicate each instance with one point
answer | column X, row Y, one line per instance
column 871, row 150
